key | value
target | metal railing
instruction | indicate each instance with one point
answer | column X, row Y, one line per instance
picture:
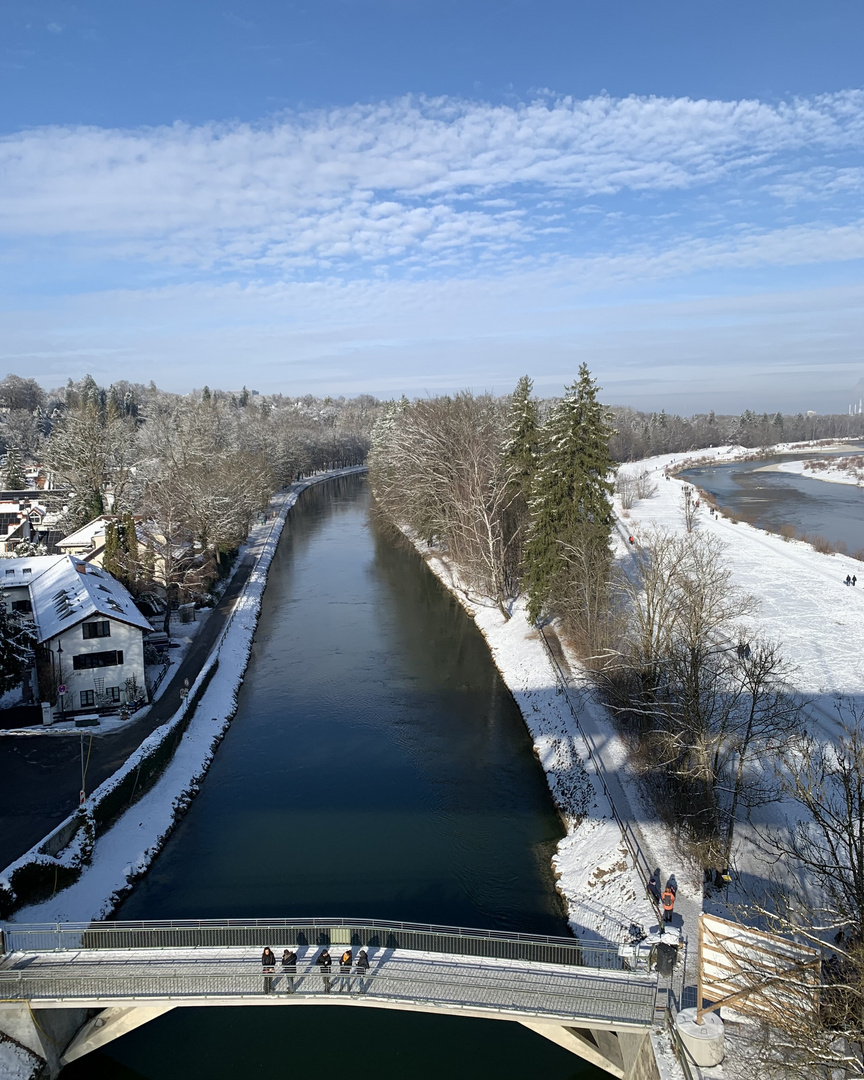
column 256, row 933
column 609, row 999
column 682, row 1054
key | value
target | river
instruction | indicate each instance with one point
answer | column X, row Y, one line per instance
column 377, row 766
column 770, row 500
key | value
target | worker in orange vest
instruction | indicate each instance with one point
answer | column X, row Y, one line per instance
column 668, row 901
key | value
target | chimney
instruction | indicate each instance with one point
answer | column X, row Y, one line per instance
column 81, row 567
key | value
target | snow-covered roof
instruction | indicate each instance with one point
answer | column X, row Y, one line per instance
column 24, row 569
column 85, row 536
column 73, row 590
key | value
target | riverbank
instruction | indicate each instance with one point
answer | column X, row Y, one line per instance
column 126, row 849
column 596, row 874
column 802, row 603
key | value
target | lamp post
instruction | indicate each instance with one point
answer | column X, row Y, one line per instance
column 61, row 688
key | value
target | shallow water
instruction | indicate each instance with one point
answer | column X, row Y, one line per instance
column 770, row 500
column 377, row 766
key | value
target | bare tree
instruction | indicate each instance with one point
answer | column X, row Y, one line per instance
column 820, row 899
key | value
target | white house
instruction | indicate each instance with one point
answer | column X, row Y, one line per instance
column 16, row 576
column 90, row 637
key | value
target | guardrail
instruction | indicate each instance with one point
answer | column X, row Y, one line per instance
column 318, row 932
column 682, row 1054
column 564, row 995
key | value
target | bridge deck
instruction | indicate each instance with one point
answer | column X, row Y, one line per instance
column 400, row 978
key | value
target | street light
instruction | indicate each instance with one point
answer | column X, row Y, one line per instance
column 61, row 688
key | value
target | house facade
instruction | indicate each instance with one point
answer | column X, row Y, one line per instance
column 90, row 638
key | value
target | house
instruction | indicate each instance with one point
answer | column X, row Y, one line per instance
column 16, row 576
column 88, row 542
column 89, row 637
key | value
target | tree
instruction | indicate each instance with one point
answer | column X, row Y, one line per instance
column 16, row 645
column 820, row 901
column 519, row 457
column 570, row 495
column 16, row 479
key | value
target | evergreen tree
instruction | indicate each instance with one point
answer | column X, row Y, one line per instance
column 15, row 477
column 111, row 557
column 16, row 643
column 569, row 502
column 519, row 457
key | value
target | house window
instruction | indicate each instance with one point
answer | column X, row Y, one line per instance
column 22, row 605
column 10, row 573
column 27, row 570
column 88, row 697
column 97, row 659
column 97, row 629
column 113, row 693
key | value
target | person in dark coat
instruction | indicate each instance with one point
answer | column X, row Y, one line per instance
column 289, row 968
column 654, row 888
column 346, row 962
column 362, row 963
column 848, row 580
column 854, row 579
column 325, row 962
column 268, row 963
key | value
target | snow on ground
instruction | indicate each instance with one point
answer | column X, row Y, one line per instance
column 833, row 471
column 803, row 601
column 18, row 1063
column 596, row 874
column 803, row 604
column 124, row 852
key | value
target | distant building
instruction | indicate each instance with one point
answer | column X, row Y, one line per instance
column 88, row 542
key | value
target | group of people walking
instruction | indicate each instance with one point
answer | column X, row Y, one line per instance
column 325, row 962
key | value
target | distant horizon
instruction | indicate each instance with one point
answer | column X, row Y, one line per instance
column 392, row 197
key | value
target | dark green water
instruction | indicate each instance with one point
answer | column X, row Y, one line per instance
column 377, row 766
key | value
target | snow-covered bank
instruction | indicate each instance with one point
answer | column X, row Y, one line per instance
column 596, row 873
column 833, row 471
column 125, row 850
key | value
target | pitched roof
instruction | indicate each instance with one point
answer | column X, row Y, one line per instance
column 23, row 569
column 73, row 590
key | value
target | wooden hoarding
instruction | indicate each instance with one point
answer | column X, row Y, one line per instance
column 759, row 974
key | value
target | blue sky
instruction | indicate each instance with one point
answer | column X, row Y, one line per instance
column 411, row 196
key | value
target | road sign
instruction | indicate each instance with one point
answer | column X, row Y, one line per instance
column 61, row 689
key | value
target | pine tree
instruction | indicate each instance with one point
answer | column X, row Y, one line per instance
column 519, row 458
column 15, row 478
column 111, row 556
column 16, row 643
column 569, row 502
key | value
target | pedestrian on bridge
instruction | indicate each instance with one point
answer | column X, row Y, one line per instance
column 325, row 962
column 345, row 963
column 362, row 963
column 268, row 963
column 668, row 901
column 289, row 967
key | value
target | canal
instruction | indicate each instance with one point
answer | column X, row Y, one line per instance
column 751, row 491
column 377, row 766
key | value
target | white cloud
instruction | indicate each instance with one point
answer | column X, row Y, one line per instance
column 437, row 181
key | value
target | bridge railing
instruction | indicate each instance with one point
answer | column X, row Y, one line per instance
column 562, row 994
column 256, row 933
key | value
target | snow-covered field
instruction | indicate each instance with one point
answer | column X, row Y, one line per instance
column 125, row 851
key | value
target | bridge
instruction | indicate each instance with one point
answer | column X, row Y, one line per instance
column 69, row 988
